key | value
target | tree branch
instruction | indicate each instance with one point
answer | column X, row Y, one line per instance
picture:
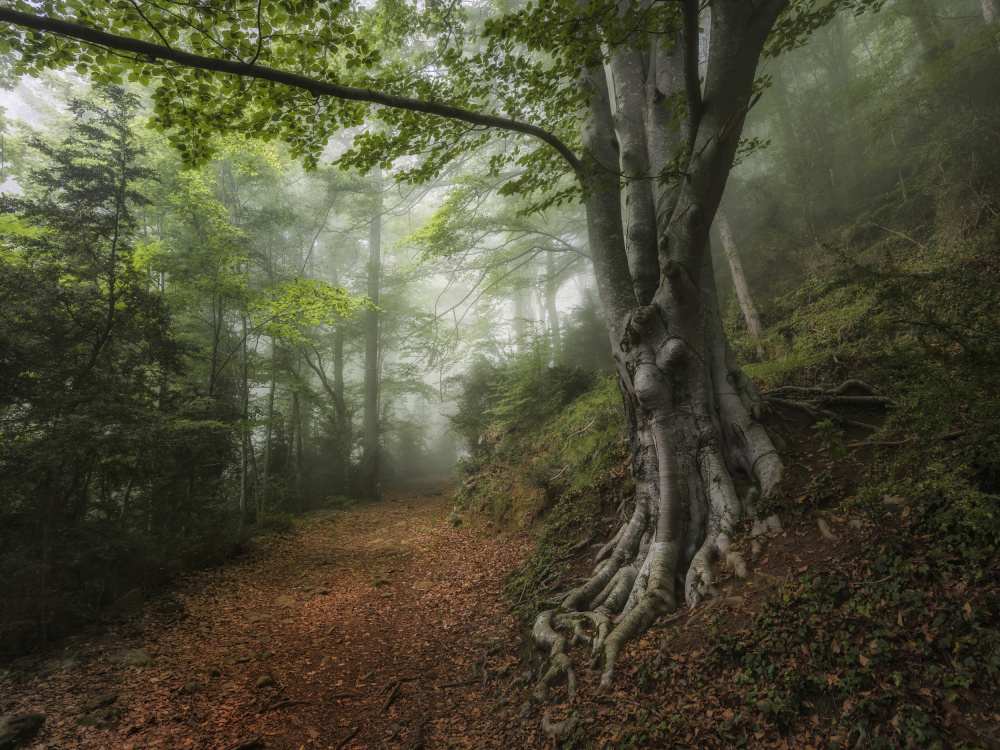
column 155, row 52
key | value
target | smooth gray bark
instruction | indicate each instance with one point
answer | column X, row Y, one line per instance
column 732, row 250
column 551, row 289
column 991, row 11
column 693, row 414
column 370, row 460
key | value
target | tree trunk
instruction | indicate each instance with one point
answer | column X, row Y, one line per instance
column 991, row 11
column 693, row 414
column 268, row 431
column 732, row 251
column 523, row 314
column 370, row 464
column 244, row 409
column 551, row 289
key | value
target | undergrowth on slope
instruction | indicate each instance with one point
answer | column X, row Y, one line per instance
column 559, row 476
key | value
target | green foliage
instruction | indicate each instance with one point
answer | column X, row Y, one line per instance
column 289, row 306
column 830, row 437
column 562, row 475
column 104, row 485
column 882, row 649
column 518, row 397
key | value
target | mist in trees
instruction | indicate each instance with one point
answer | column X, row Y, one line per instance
column 274, row 295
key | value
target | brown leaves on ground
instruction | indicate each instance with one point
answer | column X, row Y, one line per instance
column 368, row 627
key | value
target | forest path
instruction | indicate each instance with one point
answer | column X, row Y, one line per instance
column 363, row 626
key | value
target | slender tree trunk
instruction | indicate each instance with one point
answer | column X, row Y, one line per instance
column 343, row 416
column 551, row 289
column 244, row 409
column 732, row 250
column 268, row 430
column 520, row 319
column 370, row 471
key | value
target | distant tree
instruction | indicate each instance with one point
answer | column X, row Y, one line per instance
column 661, row 143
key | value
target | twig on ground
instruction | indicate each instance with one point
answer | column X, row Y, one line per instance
column 392, row 696
column 348, row 738
column 456, row 684
column 417, row 740
column 286, row 704
column 247, row 744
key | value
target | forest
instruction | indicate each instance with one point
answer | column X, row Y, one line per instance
column 607, row 373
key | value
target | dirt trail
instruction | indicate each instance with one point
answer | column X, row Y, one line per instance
column 364, row 626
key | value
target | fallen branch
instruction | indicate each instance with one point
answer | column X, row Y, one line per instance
column 456, row 684
column 895, row 443
column 247, row 744
column 286, row 704
column 417, row 740
column 392, row 696
column 348, row 738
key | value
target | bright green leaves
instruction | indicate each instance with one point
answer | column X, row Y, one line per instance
column 287, row 308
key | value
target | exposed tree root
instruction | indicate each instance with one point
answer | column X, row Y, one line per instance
column 810, row 401
column 348, row 738
column 695, row 422
column 247, row 744
column 558, row 728
column 417, row 740
column 824, row 529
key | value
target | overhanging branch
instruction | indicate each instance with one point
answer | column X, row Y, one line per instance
column 155, row 52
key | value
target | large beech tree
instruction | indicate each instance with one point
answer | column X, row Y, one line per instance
column 620, row 109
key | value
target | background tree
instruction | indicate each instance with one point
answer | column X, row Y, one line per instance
column 693, row 415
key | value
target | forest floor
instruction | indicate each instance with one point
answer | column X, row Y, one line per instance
column 366, row 625
column 385, row 627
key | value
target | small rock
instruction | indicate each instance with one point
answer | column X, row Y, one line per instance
column 284, row 601
column 321, row 591
column 386, row 595
column 244, row 659
column 210, row 672
column 263, row 639
column 325, row 660
column 59, row 665
column 236, row 641
column 890, row 500
column 228, row 686
column 756, row 548
column 759, row 528
column 89, row 721
column 229, row 660
column 132, row 657
column 191, row 687
column 267, row 655
column 253, row 617
column 18, row 728
column 108, row 714
column 854, row 523
column 422, row 585
column 127, row 600
column 264, row 682
column 100, row 702
column 824, row 529
column 774, row 522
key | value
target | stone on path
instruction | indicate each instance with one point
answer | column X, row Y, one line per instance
column 191, row 687
column 132, row 657
column 17, row 728
column 100, row 702
column 90, row 721
column 59, row 665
